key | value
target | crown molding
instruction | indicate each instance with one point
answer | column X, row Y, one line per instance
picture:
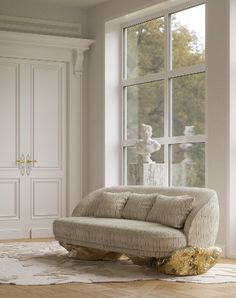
column 45, row 40
column 29, row 25
column 76, row 46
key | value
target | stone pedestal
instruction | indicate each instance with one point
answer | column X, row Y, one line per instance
column 146, row 174
column 185, row 173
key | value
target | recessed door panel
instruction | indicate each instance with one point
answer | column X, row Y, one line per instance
column 46, row 195
column 9, row 199
column 46, row 113
column 9, row 114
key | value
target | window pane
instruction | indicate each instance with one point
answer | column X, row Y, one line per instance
column 132, row 156
column 145, row 48
column 145, row 104
column 188, row 37
column 188, row 104
column 188, row 165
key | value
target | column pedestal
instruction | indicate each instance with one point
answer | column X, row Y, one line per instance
column 146, row 174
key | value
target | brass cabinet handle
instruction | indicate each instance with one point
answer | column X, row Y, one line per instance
column 29, row 164
column 21, row 164
column 20, row 161
column 31, row 161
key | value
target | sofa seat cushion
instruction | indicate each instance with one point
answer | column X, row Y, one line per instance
column 134, row 237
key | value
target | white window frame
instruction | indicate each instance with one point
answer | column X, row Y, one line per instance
column 166, row 75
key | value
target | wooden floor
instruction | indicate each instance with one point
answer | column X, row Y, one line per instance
column 138, row 289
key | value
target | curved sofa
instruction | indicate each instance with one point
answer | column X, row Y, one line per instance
column 141, row 237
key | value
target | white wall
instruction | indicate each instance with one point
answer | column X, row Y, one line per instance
column 232, row 204
column 96, row 87
column 217, row 89
column 36, row 10
column 218, row 106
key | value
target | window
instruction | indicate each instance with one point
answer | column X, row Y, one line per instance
column 164, row 86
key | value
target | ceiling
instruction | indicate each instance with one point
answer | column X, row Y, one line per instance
column 75, row 3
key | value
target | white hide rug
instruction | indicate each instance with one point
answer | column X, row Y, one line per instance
column 44, row 263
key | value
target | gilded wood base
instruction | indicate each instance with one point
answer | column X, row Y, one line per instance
column 189, row 261
column 143, row 261
column 89, row 254
column 185, row 261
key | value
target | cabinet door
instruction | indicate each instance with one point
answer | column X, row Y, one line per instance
column 12, row 141
column 32, row 131
column 46, row 154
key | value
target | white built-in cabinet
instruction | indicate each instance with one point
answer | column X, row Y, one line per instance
column 40, row 131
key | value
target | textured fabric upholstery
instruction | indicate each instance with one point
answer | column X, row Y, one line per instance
column 171, row 211
column 138, row 206
column 87, row 206
column 111, row 204
column 122, row 235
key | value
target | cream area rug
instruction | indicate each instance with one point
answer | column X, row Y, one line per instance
column 47, row 263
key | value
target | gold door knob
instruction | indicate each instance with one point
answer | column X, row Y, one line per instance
column 20, row 161
column 21, row 164
column 29, row 164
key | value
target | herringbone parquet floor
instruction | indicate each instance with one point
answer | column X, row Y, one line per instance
column 144, row 289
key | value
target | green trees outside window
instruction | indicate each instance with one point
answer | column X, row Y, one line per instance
column 164, row 86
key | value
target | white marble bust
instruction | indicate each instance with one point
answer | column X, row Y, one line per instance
column 186, row 147
column 147, row 145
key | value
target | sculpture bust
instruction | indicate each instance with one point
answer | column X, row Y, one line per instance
column 147, row 145
column 186, row 147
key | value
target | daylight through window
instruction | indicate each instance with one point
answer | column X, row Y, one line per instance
column 164, row 86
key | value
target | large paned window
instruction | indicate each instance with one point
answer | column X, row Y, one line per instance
column 164, row 86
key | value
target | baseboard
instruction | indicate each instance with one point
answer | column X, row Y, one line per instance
column 41, row 233
column 223, row 247
column 231, row 254
column 11, row 234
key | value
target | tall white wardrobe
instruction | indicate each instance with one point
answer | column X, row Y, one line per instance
column 40, row 131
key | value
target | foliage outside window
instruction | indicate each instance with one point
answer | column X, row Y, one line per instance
column 164, row 86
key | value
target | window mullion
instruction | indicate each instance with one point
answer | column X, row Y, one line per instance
column 145, row 79
column 167, row 93
column 170, row 140
column 124, row 105
column 170, row 165
column 124, row 64
column 184, row 71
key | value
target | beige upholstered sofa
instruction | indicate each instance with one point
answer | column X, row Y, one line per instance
column 121, row 231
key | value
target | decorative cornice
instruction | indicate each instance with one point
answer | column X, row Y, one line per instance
column 77, row 46
column 28, row 25
column 44, row 40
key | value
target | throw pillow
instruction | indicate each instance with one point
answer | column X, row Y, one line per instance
column 112, row 204
column 171, row 210
column 138, row 206
column 86, row 207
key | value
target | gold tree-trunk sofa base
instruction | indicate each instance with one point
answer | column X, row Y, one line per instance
column 89, row 253
column 182, row 262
